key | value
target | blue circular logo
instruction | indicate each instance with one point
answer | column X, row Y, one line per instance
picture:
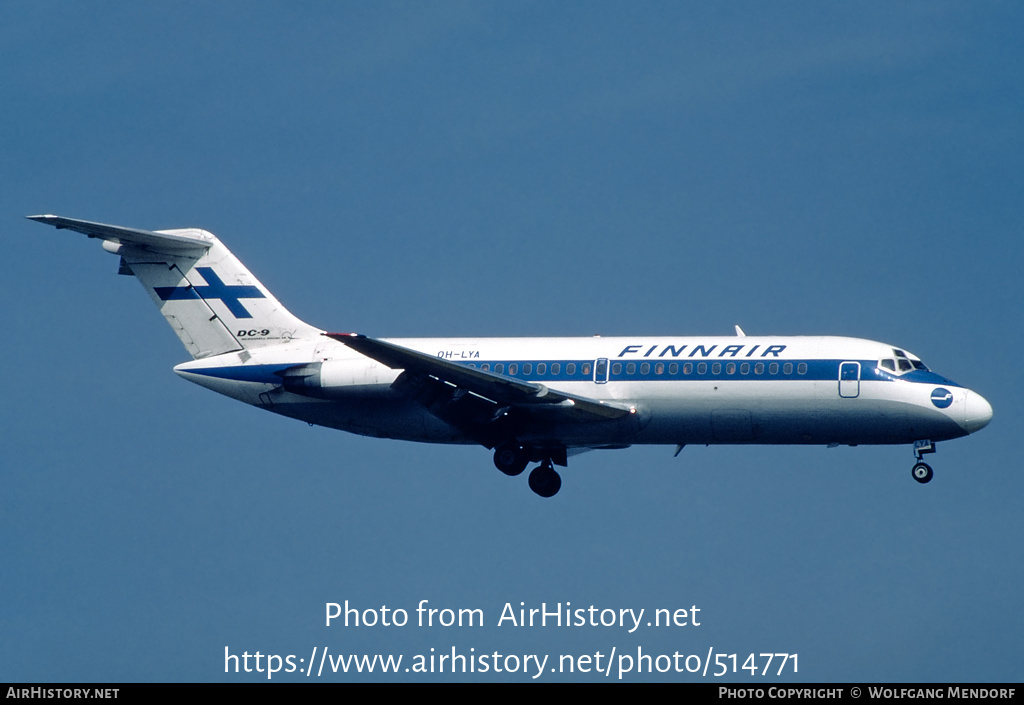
column 942, row 398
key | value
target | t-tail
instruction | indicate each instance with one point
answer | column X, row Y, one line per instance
column 209, row 298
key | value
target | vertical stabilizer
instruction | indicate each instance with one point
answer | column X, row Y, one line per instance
column 213, row 303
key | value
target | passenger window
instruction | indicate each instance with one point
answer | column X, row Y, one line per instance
column 745, row 368
column 513, row 368
column 716, row 369
column 645, row 368
column 730, row 368
column 541, row 368
column 527, row 368
column 570, row 369
column 555, row 368
column 486, row 366
column 659, row 369
column 773, row 368
column 586, row 368
column 787, row 368
column 702, row 368
column 688, row 368
column 499, row 368
column 630, row 368
column 617, row 368
column 801, row 368
column 673, row 368
column 759, row 368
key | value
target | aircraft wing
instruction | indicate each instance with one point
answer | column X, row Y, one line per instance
column 170, row 242
column 490, row 385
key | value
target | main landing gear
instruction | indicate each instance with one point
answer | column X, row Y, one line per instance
column 544, row 480
column 512, row 459
column 922, row 472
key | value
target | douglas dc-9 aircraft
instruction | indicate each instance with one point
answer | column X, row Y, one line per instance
column 533, row 400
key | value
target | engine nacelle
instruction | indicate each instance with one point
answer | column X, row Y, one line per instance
column 339, row 379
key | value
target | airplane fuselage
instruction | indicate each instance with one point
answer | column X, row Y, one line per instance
column 706, row 390
column 532, row 399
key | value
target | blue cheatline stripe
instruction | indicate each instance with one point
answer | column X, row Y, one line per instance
column 713, row 370
column 655, row 371
column 817, row 370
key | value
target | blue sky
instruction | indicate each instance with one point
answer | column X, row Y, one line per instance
column 419, row 169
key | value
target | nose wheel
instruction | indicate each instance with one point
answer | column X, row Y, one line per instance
column 921, row 471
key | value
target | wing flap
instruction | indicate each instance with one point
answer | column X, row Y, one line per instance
column 491, row 385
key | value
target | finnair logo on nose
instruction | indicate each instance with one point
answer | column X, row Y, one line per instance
column 942, row 398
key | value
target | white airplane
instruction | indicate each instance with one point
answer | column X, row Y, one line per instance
column 533, row 399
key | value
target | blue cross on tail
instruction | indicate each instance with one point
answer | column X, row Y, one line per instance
column 215, row 289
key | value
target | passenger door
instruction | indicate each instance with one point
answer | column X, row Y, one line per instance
column 849, row 380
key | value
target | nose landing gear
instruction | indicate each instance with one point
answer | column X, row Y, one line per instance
column 921, row 471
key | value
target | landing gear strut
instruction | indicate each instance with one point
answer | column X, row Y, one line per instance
column 544, row 480
column 922, row 472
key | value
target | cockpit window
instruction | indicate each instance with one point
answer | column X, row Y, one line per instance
column 900, row 363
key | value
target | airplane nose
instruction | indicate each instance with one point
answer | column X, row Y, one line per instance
column 977, row 414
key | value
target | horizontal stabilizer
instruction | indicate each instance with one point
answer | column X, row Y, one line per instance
column 169, row 242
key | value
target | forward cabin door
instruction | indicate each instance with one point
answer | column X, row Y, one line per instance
column 849, row 380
